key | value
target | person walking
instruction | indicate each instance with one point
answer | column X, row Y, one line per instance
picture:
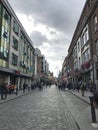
column 83, row 88
column 24, row 87
column 4, row 91
column 78, row 86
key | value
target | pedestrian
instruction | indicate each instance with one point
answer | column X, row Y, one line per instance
column 92, row 87
column 16, row 90
column 95, row 100
column 24, row 87
column 83, row 88
column 29, row 86
column 78, row 86
column 4, row 91
column 40, row 86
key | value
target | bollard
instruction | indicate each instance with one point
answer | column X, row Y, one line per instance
column 93, row 111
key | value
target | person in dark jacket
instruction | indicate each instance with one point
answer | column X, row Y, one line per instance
column 24, row 87
column 4, row 91
column 95, row 99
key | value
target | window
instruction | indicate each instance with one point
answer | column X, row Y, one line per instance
column 95, row 23
column 79, row 62
column 85, row 36
column 75, row 65
column 15, row 27
column 4, row 53
column 15, row 43
column 5, row 34
column 78, row 46
column 75, row 51
column 85, row 56
column 97, row 47
column 0, row 12
column 21, row 36
column 6, row 16
column 14, row 59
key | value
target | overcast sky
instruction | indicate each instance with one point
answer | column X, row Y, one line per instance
column 50, row 25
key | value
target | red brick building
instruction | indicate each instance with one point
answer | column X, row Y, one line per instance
column 83, row 49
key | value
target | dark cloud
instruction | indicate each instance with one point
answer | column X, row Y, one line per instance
column 38, row 38
column 58, row 14
column 53, row 50
column 59, row 18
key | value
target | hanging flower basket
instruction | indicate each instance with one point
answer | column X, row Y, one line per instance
column 86, row 65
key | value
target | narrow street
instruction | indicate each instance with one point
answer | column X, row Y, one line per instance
column 49, row 109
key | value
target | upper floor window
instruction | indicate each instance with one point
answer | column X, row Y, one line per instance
column 4, row 53
column 97, row 47
column 75, row 64
column 95, row 21
column 15, row 43
column 78, row 46
column 6, row 16
column 14, row 59
column 5, row 34
column 86, row 56
column 0, row 11
column 85, row 36
column 90, row 2
column 79, row 62
column 75, row 51
column 15, row 27
column 21, row 36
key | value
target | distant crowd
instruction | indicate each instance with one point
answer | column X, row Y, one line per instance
column 77, row 85
column 6, row 88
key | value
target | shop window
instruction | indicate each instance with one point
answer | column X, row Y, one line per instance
column 15, row 43
column 14, row 59
column 15, row 27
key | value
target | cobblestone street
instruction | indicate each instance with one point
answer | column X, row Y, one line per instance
column 40, row 110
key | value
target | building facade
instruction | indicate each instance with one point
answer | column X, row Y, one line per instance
column 83, row 49
column 41, row 65
column 16, row 49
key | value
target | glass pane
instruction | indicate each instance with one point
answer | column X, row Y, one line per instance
column 1, row 63
column 1, row 50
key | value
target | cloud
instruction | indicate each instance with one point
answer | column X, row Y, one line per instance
column 50, row 24
column 38, row 38
column 59, row 14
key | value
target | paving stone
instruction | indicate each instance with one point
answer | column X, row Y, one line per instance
column 43, row 110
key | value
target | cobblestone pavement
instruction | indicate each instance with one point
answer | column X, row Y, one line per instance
column 39, row 110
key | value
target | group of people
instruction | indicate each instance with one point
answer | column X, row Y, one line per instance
column 6, row 88
column 83, row 86
column 79, row 85
column 33, row 85
column 62, row 85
